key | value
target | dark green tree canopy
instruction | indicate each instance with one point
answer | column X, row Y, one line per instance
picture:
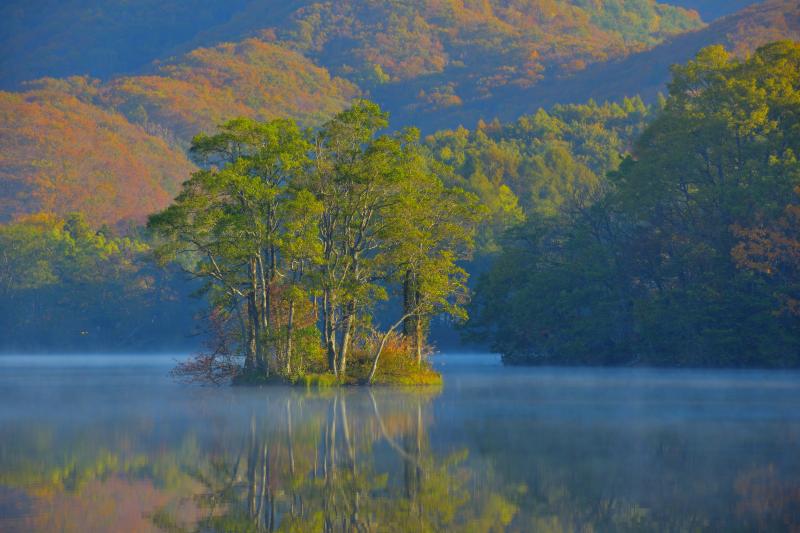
column 658, row 270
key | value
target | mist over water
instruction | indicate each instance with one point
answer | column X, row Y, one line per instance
column 91, row 443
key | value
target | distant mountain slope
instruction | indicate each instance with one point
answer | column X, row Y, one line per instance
column 421, row 56
column 711, row 10
column 431, row 63
column 645, row 73
column 204, row 88
column 114, row 150
column 101, row 38
column 60, row 153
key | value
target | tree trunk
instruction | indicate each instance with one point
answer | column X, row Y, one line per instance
column 329, row 331
column 408, row 302
column 419, row 335
column 413, row 329
column 289, row 332
column 381, row 346
column 347, row 335
column 251, row 355
column 264, row 294
column 273, row 271
column 255, row 318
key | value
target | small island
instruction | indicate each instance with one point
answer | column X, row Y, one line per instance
column 298, row 236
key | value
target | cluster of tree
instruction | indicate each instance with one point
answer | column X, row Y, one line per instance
column 67, row 287
column 538, row 162
column 298, row 235
column 689, row 257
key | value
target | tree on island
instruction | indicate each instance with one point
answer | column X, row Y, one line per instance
column 298, row 236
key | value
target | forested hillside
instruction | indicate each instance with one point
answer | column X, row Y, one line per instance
column 116, row 151
column 306, row 61
column 204, row 88
column 645, row 73
column 524, row 106
column 539, row 162
column 429, row 55
column 97, row 38
column 690, row 255
column 60, row 153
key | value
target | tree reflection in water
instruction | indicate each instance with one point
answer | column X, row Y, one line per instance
column 389, row 460
column 354, row 463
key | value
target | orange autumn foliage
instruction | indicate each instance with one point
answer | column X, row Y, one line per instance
column 774, row 250
column 252, row 78
column 499, row 42
column 59, row 153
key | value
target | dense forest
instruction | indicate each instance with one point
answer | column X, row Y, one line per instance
column 645, row 73
column 99, row 40
column 67, row 286
column 687, row 254
column 591, row 218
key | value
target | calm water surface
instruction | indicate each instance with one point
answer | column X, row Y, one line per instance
column 113, row 444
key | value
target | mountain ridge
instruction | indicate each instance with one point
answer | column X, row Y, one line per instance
column 431, row 65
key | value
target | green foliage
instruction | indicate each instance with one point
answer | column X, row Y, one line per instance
column 649, row 274
column 540, row 162
column 279, row 219
column 65, row 285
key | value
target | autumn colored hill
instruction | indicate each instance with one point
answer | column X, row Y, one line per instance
column 59, row 153
column 101, row 38
column 121, row 139
column 431, row 63
column 206, row 87
column 645, row 73
column 116, row 150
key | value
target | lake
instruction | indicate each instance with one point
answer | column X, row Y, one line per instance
column 114, row 444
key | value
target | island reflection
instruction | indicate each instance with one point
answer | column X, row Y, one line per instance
column 564, row 451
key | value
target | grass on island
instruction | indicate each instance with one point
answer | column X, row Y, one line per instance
column 396, row 367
